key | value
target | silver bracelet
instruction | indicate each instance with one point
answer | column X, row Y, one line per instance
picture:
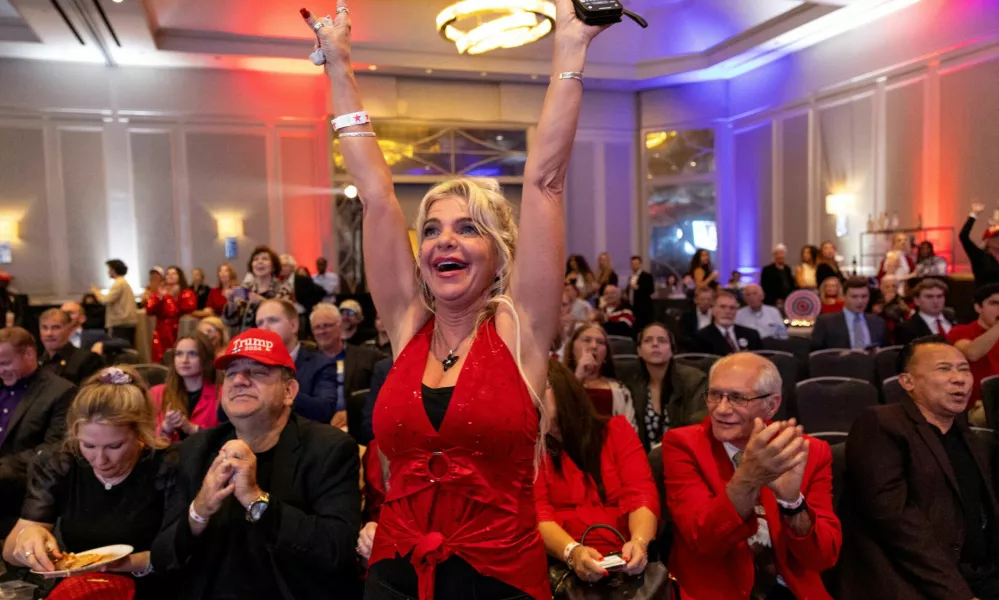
column 578, row 75
column 147, row 571
column 356, row 134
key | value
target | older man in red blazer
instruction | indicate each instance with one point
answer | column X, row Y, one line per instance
column 751, row 500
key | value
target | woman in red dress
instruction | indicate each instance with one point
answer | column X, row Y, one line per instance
column 168, row 304
column 458, row 417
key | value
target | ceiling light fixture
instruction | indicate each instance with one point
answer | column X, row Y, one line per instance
column 501, row 23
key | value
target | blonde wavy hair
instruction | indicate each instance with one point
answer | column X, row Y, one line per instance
column 115, row 396
column 493, row 216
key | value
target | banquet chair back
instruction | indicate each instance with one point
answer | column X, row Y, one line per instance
column 842, row 363
column 153, row 374
column 627, row 366
column 698, row 360
column 833, row 403
column 990, row 398
column 884, row 361
column 620, row 344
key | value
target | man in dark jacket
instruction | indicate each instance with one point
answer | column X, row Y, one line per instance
column 61, row 357
column 267, row 505
column 776, row 279
column 920, row 517
column 33, row 407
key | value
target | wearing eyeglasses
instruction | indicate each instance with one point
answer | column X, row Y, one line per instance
column 348, row 312
column 734, row 398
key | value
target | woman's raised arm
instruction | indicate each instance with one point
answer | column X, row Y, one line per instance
column 388, row 255
column 537, row 278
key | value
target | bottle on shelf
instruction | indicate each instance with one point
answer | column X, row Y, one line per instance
column 870, row 223
column 919, row 223
column 883, row 221
column 854, row 265
column 895, row 220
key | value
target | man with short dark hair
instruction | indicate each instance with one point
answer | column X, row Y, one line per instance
column 33, row 409
column 723, row 336
column 698, row 317
column 920, row 518
column 979, row 340
column 329, row 281
column 751, row 501
column 266, row 505
column 121, row 316
column 930, row 296
column 61, row 357
column 318, row 397
column 640, row 288
column 852, row 329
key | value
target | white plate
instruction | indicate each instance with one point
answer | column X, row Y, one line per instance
column 115, row 552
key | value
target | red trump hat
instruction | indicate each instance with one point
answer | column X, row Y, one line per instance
column 259, row 345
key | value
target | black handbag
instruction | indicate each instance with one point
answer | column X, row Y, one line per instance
column 655, row 583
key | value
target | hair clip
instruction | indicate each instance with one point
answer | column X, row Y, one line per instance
column 115, row 376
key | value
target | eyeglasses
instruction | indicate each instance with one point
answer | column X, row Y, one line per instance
column 734, row 398
column 348, row 312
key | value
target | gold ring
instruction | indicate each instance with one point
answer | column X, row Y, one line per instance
column 343, row 9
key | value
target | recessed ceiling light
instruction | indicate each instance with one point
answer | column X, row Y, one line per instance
column 372, row 67
column 117, row 1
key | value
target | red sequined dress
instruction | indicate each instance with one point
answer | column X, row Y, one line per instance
column 467, row 489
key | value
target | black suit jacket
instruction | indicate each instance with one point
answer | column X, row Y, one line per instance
column 776, row 283
column 641, row 299
column 359, row 367
column 38, row 421
column 309, row 529
column 903, row 519
column 71, row 363
column 830, row 331
column 688, row 331
column 378, row 378
column 914, row 328
column 711, row 340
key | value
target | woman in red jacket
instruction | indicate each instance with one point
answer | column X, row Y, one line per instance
column 458, row 415
column 188, row 401
column 596, row 472
column 168, row 304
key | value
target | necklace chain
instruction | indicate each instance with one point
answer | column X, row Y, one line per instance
column 451, row 358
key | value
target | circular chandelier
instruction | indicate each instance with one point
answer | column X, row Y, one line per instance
column 514, row 23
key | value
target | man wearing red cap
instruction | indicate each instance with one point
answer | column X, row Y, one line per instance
column 267, row 505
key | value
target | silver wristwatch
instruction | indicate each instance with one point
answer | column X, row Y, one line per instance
column 256, row 508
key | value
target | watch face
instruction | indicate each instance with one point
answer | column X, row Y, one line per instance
column 256, row 510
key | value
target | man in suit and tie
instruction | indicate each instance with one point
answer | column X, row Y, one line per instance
column 723, row 336
column 852, row 329
column 78, row 336
column 61, row 357
column 750, row 499
column 930, row 296
column 355, row 363
column 776, row 279
column 33, row 407
column 319, row 397
column 920, row 518
column 266, row 505
column 640, row 288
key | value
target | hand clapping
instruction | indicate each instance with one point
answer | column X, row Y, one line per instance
column 776, row 456
column 244, row 467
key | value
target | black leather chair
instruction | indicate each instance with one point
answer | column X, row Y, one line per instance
column 842, row 363
column 833, row 403
column 884, row 361
column 626, row 366
column 893, row 391
column 620, row 344
column 699, row 360
column 797, row 346
column 789, row 367
column 831, row 437
column 153, row 374
column 355, row 410
column 664, row 537
column 990, row 398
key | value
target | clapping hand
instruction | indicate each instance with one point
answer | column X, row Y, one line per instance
column 174, row 421
column 244, row 466
column 772, row 452
column 216, row 487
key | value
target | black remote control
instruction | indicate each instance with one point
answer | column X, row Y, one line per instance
column 604, row 12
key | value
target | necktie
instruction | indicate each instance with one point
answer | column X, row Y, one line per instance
column 940, row 328
column 859, row 333
column 764, row 562
column 731, row 340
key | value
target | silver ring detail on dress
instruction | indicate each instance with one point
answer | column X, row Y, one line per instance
column 27, row 554
column 343, row 9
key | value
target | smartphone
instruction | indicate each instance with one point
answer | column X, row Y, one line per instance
column 612, row 562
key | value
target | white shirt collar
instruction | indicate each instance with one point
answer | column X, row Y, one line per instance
column 732, row 450
column 294, row 352
column 725, row 330
column 932, row 321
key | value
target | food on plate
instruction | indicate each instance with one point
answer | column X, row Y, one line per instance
column 71, row 562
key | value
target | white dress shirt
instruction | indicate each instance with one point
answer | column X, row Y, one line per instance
column 931, row 322
column 768, row 322
column 851, row 319
column 703, row 319
column 329, row 282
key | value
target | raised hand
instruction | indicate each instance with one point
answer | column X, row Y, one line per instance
column 787, row 486
column 764, row 458
column 568, row 26
column 977, row 207
column 332, row 34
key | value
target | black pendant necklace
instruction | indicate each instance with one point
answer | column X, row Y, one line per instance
column 451, row 358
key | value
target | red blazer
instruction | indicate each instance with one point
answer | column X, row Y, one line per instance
column 205, row 413
column 711, row 558
column 571, row 499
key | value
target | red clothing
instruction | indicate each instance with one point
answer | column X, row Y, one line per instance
column 168, row 311
column 603, row 401
column 984, row 366
column 711, row 557
column 835, row 307
column 206, row 411
column 571, row 499
column 466, row 490
column 622, row 315
column 374, row 483
column 216, row 300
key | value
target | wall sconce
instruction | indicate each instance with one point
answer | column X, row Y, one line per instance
column 8, row 235
column 230, row 230
column 841, row 205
